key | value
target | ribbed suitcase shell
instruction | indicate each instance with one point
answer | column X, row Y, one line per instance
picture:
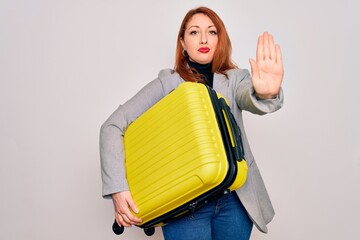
column 175, row 152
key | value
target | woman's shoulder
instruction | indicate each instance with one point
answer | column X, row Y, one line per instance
column 168, row 73
column 169, row 78
column 236, row 73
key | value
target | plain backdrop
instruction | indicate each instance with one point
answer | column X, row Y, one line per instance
column 66, row 65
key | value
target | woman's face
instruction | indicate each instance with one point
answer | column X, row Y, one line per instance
column 200, row 39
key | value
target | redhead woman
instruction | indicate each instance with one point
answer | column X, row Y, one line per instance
column 203, row 55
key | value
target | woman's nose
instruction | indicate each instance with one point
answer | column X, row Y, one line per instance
column 203, row 39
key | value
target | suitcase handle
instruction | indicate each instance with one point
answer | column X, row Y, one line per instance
column 234, row 131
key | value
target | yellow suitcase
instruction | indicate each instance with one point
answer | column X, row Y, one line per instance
column 184, row 150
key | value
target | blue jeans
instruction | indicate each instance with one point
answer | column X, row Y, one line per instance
column 223, row 218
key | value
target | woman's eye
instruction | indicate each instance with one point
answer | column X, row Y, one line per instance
column 193, row 32
column 213, row 32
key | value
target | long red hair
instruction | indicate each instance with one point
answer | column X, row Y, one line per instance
column 222, row 55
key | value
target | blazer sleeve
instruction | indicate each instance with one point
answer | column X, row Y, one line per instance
column 245, row 95
column 112, row 154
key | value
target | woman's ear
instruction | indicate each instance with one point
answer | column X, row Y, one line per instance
column 182, row 43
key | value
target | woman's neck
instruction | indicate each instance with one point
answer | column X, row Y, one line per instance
column 204, row 70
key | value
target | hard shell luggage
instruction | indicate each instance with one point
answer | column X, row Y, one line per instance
column 184, row 150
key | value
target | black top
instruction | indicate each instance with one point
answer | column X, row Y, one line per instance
column 205, row 70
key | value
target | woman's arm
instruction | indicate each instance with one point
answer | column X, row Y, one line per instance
column 112, row 153
column 261, row 93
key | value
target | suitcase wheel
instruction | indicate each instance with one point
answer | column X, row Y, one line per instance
column 117, row 229
column 149, row 231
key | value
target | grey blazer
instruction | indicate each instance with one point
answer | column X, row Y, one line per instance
column 237, row 88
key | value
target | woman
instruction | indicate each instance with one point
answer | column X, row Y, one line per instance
column 203, row 54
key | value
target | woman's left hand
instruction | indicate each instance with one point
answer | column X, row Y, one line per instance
column 267, row 71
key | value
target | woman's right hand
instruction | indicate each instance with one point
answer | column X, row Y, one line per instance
column 123, row 205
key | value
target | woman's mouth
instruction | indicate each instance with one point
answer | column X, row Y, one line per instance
column 204, row 49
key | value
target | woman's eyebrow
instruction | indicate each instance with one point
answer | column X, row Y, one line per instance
column 196, row 26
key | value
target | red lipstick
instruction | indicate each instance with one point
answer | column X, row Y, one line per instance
column 204, row 49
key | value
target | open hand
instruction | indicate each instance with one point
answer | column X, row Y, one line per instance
column 267, row 71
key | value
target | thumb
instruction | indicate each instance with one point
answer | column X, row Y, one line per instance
column 254, row 68
column 132, row 205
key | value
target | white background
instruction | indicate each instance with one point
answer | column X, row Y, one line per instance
column 66, row 65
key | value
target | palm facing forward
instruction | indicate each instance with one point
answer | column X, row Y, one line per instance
column 267, row 70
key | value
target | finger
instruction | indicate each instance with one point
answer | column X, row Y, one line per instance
column 132, row 218
column 278, row 55
column 127, row 221
column 129, row 217
column 254, row 68
column 272, row 48
column 260, row 49
column 266, row 46
column 132, row 205
column 120, row 221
